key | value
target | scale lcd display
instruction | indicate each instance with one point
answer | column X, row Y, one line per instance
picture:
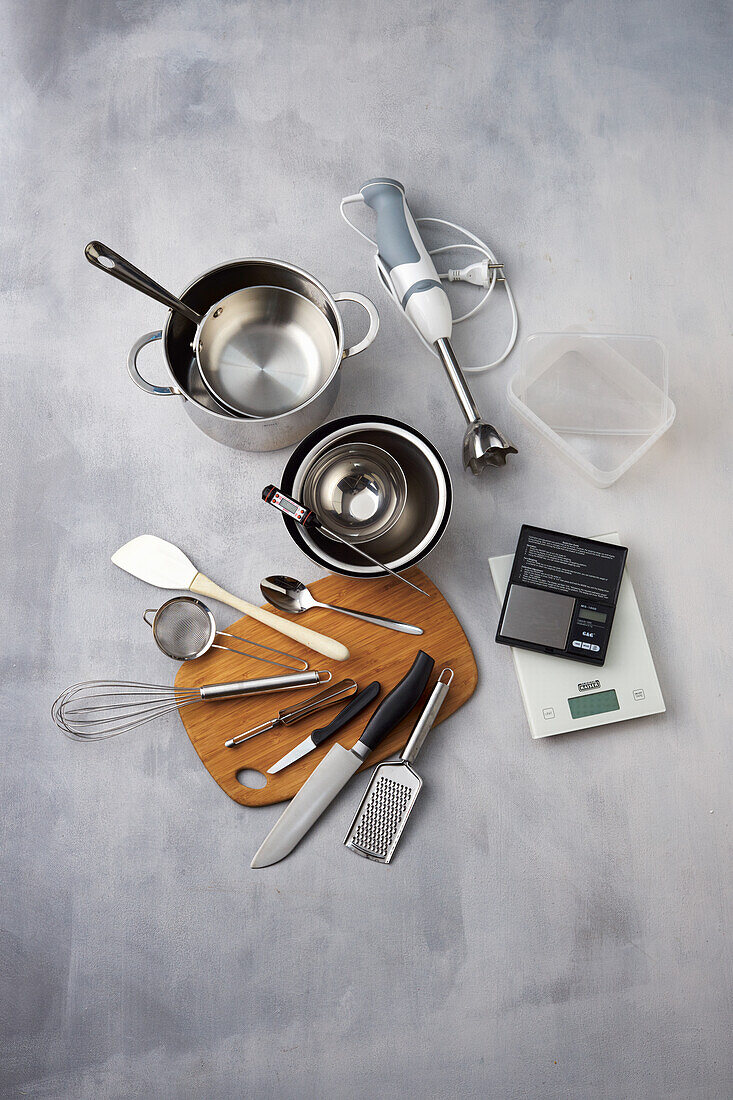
column 594, row 616
column 598, row 703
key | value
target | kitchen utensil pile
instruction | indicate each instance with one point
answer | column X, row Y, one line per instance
column 288, row 715
column 393, row 788
column 162, row 564
column 337, row 768
column 254, row 349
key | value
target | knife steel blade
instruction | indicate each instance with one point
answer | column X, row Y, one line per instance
column 339, row 764
column 317, row 737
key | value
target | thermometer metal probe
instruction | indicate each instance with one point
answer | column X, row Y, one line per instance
column 308, row 519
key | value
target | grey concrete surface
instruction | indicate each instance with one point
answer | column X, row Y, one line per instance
column 557, row 922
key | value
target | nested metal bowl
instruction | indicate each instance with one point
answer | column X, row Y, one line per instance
column 428, row 502
column 357, row 489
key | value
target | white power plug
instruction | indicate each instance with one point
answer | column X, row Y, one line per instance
column 484, row 274
column 480, row 274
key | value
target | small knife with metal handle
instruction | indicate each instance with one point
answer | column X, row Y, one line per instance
column 339, row 764
column 286, row 717
column 354, row 707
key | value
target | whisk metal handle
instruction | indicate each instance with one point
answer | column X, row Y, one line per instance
column 265, row 683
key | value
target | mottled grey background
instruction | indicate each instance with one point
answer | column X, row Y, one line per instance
column 557, row 922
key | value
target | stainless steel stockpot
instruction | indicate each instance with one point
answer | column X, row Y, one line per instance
column 266, row 433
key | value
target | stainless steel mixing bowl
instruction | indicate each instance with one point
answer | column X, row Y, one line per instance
column 358, row 490
column 427, row 507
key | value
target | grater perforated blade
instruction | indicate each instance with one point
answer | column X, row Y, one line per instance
column 383, row 813
column 393, row 789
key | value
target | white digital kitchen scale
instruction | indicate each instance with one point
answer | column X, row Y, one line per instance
column 560, row 696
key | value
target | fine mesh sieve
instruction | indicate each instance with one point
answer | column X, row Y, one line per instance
column 184, row 628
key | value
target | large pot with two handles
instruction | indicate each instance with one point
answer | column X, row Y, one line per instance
column 265, row 433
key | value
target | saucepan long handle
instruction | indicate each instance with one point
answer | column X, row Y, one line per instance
column 106, row 260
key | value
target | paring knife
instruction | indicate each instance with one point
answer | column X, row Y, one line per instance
column 356, row 706
column 339, row 764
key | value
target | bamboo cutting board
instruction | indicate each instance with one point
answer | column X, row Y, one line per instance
column 376, row 654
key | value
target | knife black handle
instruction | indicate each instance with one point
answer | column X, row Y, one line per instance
column 399, row 702
column 353, row 707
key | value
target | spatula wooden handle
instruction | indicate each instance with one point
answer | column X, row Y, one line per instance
column 329, row 647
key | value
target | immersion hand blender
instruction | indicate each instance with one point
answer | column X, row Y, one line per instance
column 407, row 268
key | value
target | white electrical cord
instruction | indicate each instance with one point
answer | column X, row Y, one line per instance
column 483, row 273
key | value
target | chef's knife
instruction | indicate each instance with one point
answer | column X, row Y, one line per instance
column 339, row 764
column 352, row 708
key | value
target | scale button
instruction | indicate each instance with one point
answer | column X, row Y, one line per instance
column 596, row 648
column 577, row 644
column 639, row 693
column 587, row 645
column 548, row 712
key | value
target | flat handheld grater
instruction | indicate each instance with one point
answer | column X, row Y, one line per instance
column 393, row 788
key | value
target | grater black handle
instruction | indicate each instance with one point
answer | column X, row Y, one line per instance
column 397, row 704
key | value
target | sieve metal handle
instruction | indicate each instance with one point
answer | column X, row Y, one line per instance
column 260, row 645
column 147, row 387
column 365, row 303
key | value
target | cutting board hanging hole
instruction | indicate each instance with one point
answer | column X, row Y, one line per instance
column 252, row 779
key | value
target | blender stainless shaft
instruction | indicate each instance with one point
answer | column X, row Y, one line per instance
column 483, row 444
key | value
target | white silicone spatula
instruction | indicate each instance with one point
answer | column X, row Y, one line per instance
column 161, row 563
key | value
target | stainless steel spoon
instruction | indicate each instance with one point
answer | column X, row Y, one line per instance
column 288, row 594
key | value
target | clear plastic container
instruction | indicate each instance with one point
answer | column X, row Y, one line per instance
column 602, row 400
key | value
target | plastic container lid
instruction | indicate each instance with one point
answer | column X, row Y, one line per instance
column 602, row 400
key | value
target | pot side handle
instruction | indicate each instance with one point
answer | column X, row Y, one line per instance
column 348, row 296
column 147, row 387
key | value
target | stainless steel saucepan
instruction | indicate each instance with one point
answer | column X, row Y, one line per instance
column 261, row 333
